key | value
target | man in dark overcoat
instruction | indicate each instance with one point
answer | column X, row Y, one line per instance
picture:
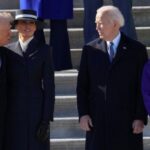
column 5, row 19
column 31, row 88
column 110, row 105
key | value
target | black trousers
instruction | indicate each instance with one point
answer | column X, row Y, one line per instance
column 59, row 41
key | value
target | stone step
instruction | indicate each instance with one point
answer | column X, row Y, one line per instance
column 141, row 3
column 146, row 132
column 67, row 144
column 65, row 83
column 141, row 17
column 148, row 51
column 78, row 144
column 76, row 36
column 76, row 56
column 77, row 3
column 68, row 127
column 65, row 106
column 143, row 35
column 146, row 143
column 7, row 4
column 66, row 80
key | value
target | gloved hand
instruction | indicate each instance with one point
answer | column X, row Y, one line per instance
column 43, row 132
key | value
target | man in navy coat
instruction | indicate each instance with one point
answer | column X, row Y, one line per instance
column 110, row 104
column 57, row 11
column 5, row 19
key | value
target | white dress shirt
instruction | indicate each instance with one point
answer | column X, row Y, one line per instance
column 115, row 42
column 24, row 44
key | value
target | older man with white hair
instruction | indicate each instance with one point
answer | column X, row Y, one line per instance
column 5, row 19
column 90, row 7
column 110, row 105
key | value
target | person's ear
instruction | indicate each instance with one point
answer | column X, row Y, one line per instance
column 116, row 25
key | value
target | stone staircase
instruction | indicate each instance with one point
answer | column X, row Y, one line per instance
column 65, row 131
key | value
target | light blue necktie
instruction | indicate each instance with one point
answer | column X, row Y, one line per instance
column 112, row 52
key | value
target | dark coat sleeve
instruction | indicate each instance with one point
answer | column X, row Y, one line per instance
column 49, row 87
column 83, row 85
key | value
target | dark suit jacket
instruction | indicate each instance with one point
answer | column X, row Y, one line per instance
column 30, row 94
column 2, row 94
column 111, row 93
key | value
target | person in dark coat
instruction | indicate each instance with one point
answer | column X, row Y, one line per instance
column 57, row 11
column 31, row 88
column 110, row 104
column 5, row 19
column 145, row 86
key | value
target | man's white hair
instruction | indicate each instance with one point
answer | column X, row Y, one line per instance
column 5, row 17
column 112, row 13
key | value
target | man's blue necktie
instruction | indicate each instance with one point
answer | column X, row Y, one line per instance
column 111, row 53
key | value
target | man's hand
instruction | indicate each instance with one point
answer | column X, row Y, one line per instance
column 137, row 126
column 86, row 123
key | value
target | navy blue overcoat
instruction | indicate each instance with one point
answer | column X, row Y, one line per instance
column 50, row 9
column 110, row 93
column 3, row 95
column 30, row 95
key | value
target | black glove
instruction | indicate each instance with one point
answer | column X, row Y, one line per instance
column 43, row 132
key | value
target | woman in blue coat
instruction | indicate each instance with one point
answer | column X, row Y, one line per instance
column 58, row 12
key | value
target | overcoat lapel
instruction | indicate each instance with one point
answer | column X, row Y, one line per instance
column 121, row 50
column 16, row 52
column 32, row 48
column 17, row 49
column 101, row 44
